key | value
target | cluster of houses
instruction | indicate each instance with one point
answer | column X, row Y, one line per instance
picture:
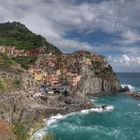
column 65, row 69
column 13, row 52
column 57, row 70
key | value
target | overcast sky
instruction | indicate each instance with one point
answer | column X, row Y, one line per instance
column 109, row 27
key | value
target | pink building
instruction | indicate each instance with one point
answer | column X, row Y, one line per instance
column 75, row 80
column 52, row 78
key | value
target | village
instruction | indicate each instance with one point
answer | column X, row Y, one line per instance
column 55, row 74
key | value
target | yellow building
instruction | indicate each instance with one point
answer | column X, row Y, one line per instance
column 38, row 76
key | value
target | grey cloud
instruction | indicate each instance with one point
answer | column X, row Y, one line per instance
column 125, row 63
column 65, row 16
column 56, row 18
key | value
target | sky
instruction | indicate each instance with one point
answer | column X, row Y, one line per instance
column 108, row 27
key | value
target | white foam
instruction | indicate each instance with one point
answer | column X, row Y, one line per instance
column 138, row 104
column 99, row 109
column 53, row 119
column 39, row 134
column 93, row 99
column 109, row 108
column 58, row 117
column 132, row 88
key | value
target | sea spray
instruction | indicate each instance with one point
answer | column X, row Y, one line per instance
column 39, row 134
column 132, row 88
column 93, row 100
column 100, row 109
column 58, row 117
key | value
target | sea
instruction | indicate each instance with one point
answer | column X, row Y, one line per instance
column 120, row 120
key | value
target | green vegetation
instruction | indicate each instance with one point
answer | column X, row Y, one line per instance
column 17, row 83
column 103, row 72
column 48, row 137
column 86, row 53
column 5, row 60
column 96, row 67
column 2, row 84
column 20, row 131
column 107, row 73
column 24, row 61
column 16, row 34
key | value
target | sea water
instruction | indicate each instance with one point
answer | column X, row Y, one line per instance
column 120, row 121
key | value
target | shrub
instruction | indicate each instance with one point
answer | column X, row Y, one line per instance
column 48, row 137
column 21, row 131
column 2, row 84
column 17, row 83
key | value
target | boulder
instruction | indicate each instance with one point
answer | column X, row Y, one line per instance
column 125, row 89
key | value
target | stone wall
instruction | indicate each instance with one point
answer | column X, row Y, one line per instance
column 27, row 82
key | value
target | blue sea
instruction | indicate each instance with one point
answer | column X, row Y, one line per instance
column 120, row 122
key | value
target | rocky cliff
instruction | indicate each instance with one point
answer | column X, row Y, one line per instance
column 20, row 107
column 92, row 84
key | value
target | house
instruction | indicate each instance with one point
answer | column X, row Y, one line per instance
column 2, row 49
column 58, row 72
column 31, row 70
column 36, row 52
column 38, row 76
column 52, row 78
column 75, row 80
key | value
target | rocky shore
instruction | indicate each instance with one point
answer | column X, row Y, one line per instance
column 18, row 107
column 134, row 94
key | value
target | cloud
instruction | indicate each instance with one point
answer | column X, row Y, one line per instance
column 125, row 60
column 56, row 19
column 125, row 63
column 130, row 37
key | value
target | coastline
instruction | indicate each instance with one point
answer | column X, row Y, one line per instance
column 38, row 135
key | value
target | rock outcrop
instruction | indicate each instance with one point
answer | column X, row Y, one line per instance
column 125, row 89
column 94, row 85
column 19, row 107
column 134, row 94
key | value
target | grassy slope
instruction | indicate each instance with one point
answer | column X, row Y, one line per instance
column 16, row 34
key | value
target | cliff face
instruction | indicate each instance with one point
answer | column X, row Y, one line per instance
column 91, row 84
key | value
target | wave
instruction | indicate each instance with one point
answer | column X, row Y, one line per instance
column 53, row 119
column 132, row 88
column 39, row 134
column 138, row 104
column 100, row 109
column 58, row 117
column 93, row 100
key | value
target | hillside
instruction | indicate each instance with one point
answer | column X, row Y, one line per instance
column 7, row 63
column 8, row 70
column 17, row 34
column 97, row 64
